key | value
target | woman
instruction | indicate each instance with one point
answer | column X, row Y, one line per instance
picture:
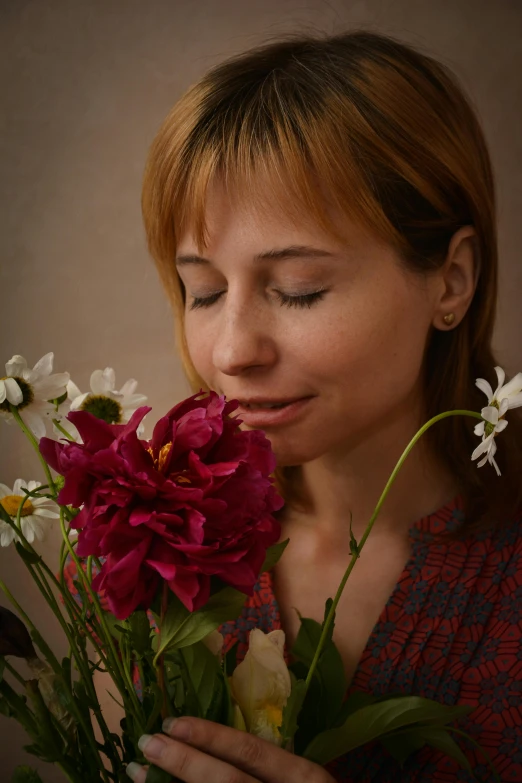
column 321, row 211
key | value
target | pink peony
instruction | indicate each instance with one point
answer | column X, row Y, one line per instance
column 195, row 501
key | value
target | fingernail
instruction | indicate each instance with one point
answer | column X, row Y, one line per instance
column 133, row 770
column 180, row 729
column 151, row 746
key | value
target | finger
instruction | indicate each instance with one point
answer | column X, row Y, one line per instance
column 253, row 755
column 188, row 763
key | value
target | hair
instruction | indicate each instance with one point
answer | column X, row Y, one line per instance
column 389, row 134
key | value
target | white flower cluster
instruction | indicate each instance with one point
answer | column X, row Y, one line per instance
column 39, row 397
column 505, row 397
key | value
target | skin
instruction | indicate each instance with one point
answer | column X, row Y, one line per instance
column 359, row 351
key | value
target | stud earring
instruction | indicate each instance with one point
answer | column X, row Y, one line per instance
column 449, row 318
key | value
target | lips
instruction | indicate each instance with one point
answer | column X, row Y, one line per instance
column 268, row 417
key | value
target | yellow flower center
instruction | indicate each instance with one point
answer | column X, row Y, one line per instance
column 12, row 503
column 274, row 715
column 161, row 459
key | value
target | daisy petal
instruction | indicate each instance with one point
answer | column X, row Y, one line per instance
column 17, row 487
column 482, row 461
column 45, row 365
column 51, row 387
column 514, row 401
column 34, row 422
column 514, row 386
column 78, row 401
column 493, row 462
column 129, row 387
column 485, row 387
column 101, row 381
column 45, row 512
column 12, row 391
column 501, row 425
column 479, row 429
column 490, row 414
column 4, row 491
column 501, row 376
column 482, row 447
column 16, row 366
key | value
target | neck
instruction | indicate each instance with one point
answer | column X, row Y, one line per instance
column 352, row 480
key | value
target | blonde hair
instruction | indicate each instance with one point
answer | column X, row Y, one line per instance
column 392, row 139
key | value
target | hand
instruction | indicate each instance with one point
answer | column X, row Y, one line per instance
column 195, row 750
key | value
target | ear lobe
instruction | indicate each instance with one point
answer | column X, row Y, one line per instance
column 459, row 275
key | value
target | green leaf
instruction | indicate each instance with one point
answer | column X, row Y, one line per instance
column 202, row 669
column 375, row 720
column 401, row 746
column 155, row 692
column 354, row 546
column 292, row 709
column 273, row 555
column 157, row 775
column 140, row 632
column 440, row 739
column 30, row 558
column 181, row 628
column 307, row 640
column 24, row 774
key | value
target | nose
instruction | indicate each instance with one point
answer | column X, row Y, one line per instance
column 243, row 340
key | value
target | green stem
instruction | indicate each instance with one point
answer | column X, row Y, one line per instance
column 27, row 432
column 15, row 674
column 117, row 671
column 63, row 430
column 355, row 556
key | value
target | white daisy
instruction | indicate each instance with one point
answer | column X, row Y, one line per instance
column 35, row 510
column 511, row 391
column 38, row 388
column 487, row 430
column 103, row 401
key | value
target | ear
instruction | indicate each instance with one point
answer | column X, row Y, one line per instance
column 458, row 278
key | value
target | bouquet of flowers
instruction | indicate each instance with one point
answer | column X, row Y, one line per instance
column 162, row 539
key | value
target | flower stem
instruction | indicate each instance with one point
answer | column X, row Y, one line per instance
column 161, row 664
column 63, row 430
column 368, row 530
column 27, row 432
column 15, row 674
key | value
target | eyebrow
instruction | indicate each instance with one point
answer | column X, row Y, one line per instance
column 293, row 251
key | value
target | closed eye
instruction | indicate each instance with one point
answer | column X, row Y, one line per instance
column 298, row 300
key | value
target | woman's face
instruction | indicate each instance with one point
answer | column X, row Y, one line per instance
column 354, row 350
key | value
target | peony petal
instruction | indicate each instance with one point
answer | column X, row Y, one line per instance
column 45, row 365
column 485, row 387
column 16, row 366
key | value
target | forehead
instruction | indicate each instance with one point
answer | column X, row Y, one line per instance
column 251, row 217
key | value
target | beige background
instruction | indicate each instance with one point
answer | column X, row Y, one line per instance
column 84, row 87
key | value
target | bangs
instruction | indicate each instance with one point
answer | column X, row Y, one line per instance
column 270, row 149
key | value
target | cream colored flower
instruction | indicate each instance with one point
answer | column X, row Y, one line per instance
column 509, row 393
column 37, row 386
column 35, row 512
column 261, row 685
column 103, row 401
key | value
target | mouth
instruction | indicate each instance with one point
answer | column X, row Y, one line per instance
column 264, row 413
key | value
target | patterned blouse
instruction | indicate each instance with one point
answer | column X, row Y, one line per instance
column 451, row 631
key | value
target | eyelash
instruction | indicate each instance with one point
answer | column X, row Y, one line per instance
column 300, row 300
